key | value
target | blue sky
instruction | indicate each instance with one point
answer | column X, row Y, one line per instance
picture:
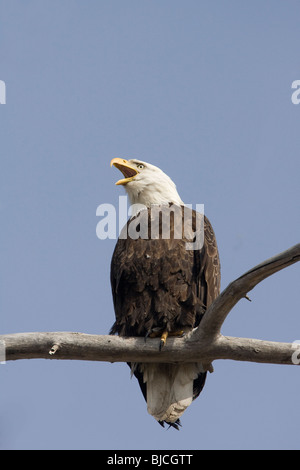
column 201, row 89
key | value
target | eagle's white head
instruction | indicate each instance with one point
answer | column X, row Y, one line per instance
column 145, row 183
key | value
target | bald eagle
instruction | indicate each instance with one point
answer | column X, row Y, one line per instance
column 162, row 283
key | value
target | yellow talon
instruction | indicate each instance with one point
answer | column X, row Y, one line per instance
column 163, row 336
column 177, row 333
column 163, row 339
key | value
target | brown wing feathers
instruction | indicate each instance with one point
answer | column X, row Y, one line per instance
column 159, row 283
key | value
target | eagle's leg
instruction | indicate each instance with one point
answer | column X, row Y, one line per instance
column 157, row 333
column 163, row 334
column 163, row 339
column 153, row 333
column 177, row 333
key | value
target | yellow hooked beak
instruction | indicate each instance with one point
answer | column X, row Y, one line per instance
column 128, row 171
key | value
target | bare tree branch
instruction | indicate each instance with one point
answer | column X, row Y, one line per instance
column 80, row 346
column 205, row 344
column 216, row 314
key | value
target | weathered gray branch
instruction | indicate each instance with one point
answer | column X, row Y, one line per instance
column 205, row 344
column 80, row 346
column 216, row 314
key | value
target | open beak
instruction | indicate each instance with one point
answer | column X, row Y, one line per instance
column 129, row 172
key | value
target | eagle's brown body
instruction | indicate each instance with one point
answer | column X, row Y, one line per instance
column 159, row 284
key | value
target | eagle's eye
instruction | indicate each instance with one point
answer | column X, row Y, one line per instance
column 140, row 166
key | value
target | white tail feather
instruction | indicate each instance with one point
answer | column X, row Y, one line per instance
column 169, row 388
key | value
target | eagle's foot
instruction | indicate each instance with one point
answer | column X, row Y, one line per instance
column 153, row 333
column 179, row 333
column 163, row 339
column 157, row 333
